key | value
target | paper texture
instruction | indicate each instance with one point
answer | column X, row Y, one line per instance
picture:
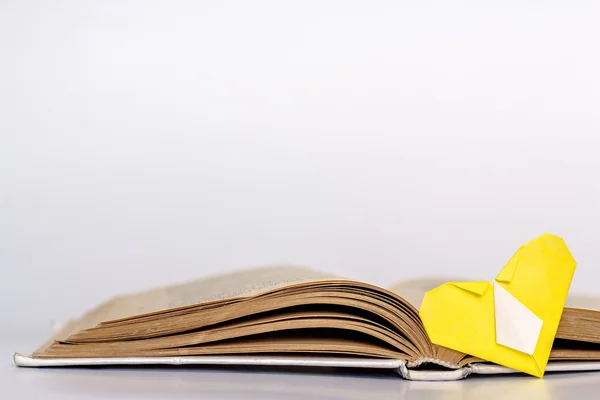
column 218, row 288
column 414, row 290
column 516, row 326
column 461, row 315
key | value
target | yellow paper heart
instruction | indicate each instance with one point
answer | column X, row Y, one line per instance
column 511, row 320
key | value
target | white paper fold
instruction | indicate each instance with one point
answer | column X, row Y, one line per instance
column 517, row 327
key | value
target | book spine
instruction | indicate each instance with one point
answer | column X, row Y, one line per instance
column 424, row 375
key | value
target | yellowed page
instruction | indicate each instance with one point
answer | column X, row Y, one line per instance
column 583, row 301
column 223, row 287
column 414, row 290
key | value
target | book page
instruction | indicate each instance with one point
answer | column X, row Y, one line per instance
column 583, row 301
column 414, row 290
column 249, row 282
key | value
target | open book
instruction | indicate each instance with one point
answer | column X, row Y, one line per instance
column 295, row 317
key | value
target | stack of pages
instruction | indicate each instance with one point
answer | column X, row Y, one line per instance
column 291, row 316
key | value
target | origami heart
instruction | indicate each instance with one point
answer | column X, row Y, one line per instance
column 511, row 320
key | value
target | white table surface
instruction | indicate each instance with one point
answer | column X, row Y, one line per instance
column 240, row 383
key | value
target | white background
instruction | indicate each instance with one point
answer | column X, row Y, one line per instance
column 145, row 143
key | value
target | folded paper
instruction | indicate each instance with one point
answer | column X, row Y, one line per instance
column 516, row 326
column 511, row 320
